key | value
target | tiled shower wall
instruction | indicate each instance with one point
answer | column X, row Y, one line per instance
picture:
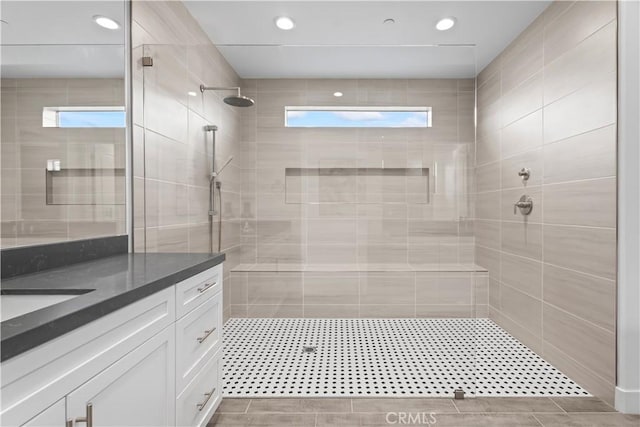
column 360, row 294
column 172, row 152
column 340, row 245
column 548, row 103
column 370, row 219
column 83, row 207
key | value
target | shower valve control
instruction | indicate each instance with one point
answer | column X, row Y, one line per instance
column 524, row 173
column 525, row 204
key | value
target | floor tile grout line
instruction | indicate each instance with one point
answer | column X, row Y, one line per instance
column 555, row 403
column 536, row 418
column 455, row 406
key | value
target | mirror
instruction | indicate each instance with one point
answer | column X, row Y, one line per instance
column 63, row 133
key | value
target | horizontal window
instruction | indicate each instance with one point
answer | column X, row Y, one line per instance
column 358, row 117
column 84, row 117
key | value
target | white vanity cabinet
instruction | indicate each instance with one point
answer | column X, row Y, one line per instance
column 137, row 390
column 55, row 415
column 141, row 365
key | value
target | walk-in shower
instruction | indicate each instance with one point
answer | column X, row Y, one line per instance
column 369, row 213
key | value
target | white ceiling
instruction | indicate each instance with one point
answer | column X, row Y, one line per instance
column 368, row 48
column 60, row 39
column 332, row 39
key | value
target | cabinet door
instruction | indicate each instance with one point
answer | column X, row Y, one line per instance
column 53, row 416
column 137, row 390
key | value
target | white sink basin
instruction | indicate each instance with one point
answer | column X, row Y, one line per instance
column 16, row 305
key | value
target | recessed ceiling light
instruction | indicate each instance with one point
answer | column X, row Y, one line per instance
column 191, row 93
column 4, row 22
column 337, row 94
column 105, row 22
column 446, row 24
column 285, row 23
column 389, row 21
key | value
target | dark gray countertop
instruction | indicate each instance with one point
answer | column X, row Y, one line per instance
column 109, row 284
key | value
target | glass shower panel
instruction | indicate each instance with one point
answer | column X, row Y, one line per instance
column 372, row 202
column 176, row 128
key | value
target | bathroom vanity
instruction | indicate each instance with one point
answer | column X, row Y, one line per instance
column 136, row 340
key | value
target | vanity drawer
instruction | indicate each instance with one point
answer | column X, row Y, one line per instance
column 197, row 403
column 195, row 290
column 198, row 336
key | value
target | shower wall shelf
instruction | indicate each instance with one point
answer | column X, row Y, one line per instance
column 57, row 181
column 357, row 185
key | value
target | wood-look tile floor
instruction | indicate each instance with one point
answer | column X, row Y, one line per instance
column 484, row 412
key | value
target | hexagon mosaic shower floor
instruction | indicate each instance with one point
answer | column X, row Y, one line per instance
column 383, row 358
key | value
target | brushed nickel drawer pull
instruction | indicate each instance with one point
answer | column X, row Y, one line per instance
column 206, row 335
column 208, row 396
column 207, row 287
column 88, row 418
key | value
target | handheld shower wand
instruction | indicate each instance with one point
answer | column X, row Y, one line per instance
column 224, row 166
column 213, row 185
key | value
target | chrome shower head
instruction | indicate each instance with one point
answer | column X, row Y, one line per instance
column 237, row 100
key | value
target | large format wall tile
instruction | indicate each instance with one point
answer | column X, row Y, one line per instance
column 590, row 250
column 283, row 288
column 576, row 24
column 387, row 288
column 523, row 239
column 331, row 288
column 584, row 156
column 581, row 341
column 574, row 114
column 589, row 203
column 523, row 274
column 590, row 61
column 522, row 100
column 522, row 135
column 522, row 308
column 588, row 297
column 548, row 103
column 523, row 59
column 452, row 289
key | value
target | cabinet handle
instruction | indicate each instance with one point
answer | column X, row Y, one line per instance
column 206, row 287
column 88, row 418
column 206, row 335
column 208, row 396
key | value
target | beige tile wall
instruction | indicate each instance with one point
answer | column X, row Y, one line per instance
column 172, row 152
column 26, row 146
column 369, row 219
column 353, row 294
column 548, row 102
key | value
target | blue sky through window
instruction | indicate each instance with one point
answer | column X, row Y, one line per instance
column 369, row 118
column 92, row 119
